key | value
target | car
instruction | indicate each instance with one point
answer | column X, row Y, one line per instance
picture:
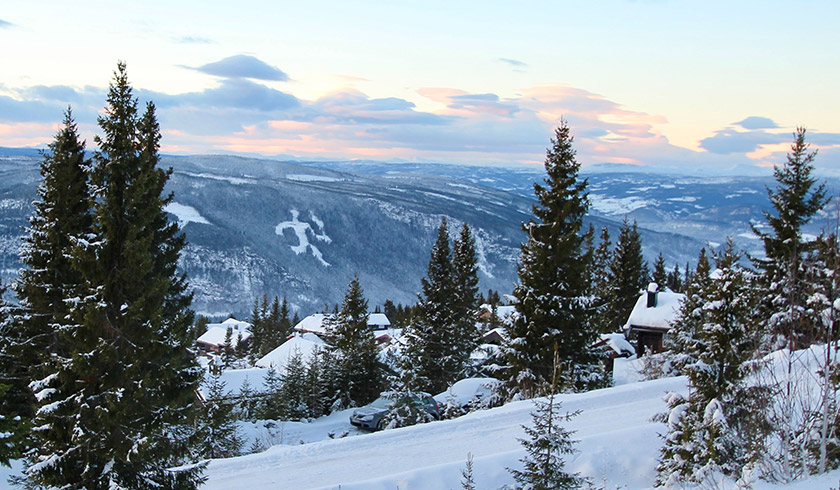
column 372, row 416
column 468, row 392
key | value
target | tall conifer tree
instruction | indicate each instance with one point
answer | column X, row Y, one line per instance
column 465, row 270
column 551, row 294
column 796, row 199
column 628, row 276
column 62, row 214
column 118, row 410
column 429, row 353
column 354, row 351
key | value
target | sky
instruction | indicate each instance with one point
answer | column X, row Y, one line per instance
column 715, row 86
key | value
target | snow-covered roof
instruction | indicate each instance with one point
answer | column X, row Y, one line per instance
column 234, row 323
column 215, row 335
column 306, row 344
column 235, row 378
column 659, row 316
column 378, row 320
column 313, row 323
column 618, row 343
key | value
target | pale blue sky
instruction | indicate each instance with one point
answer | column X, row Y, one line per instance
column 680, row 84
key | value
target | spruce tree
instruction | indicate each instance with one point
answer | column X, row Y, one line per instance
column 465, row 270
column 354, row 351
column 13, row 427
column 628, row 276
column 431, row 340
column 600, row 283
column 716, row 430
column 218, row 434
column 796, row 199
column 62, row 214
column 547, row 443
column 118, row 409
column 551, row 293
column 660, row 276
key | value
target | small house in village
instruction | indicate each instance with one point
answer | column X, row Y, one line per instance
column 379, row 324
column 651, row 318
column 213, row 340
column 306, row 345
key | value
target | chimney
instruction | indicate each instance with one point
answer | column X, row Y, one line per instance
column 652, row 289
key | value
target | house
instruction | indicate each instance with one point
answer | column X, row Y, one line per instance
column 651, row 318
column 378, row 321
column 214, row 338
column 379, row 324
column 306, row 344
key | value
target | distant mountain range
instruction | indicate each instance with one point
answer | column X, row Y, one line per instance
column 303, row 230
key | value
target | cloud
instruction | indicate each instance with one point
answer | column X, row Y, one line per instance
column 729, row 141
column 4, row 24
column 353, row 107
column 192, row 40
column 757, row 122
column 244, row 66
column 514, row 63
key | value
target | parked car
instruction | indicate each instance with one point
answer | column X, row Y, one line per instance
column 467, row 392
column 371, row 416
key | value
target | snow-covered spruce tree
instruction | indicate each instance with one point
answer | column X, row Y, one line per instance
column 796, row 199
column 547, row 443
column 719, row 430
column 118, row 410
column 432, row 348
column 823, row 427
column 217, row 431
column 674, row 281
column 270, row 406
column 13, row 427
column 292, row 395
column 465, row 271
column 353, row 351
column 62, row 212
column 681, row 342
column 628, row 277
column 551, row 293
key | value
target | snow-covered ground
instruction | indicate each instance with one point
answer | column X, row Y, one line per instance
column 618, row 447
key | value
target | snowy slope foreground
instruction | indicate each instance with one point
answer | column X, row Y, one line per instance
column 618, row 443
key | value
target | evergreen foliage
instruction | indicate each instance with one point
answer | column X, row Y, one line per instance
column 718, row 429
column 465, row 271
column 354, row 353
column 796, row 199
column 438, row 340
column 628, row 277
column 547, row 443
column 217, row 432
column 660, row 276
column 13, row 427
column 117, row 410
column 600, row 282
column 48, row 277
column 551, row 294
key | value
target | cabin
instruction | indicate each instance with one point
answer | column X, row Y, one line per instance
column 213, row 340
column 651, row 318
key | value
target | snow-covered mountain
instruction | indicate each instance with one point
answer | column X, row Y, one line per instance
column 302, row 230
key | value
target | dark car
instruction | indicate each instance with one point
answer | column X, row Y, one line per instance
column 371, row 416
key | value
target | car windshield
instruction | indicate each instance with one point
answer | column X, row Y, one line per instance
column 381, row 402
